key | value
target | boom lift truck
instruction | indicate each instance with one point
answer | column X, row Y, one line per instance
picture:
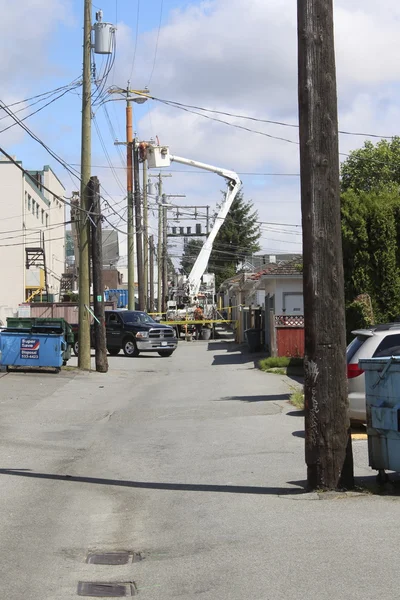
column 198, row 286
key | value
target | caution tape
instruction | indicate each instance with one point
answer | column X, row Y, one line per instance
column 208, row 321
column 218, row 309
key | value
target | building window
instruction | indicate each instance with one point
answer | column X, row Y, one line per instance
column 33, row 207
column 37, row 210
column 47, row 220
column 42, row 216
column 29, row 202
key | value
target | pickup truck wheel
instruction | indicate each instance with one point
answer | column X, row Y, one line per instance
column 129, row 347
column 166, row 353
column 75, row 348
column 113, row 351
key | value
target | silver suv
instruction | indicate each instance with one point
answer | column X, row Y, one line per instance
column 378, row 342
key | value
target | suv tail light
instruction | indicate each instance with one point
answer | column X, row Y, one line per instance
column 353, row 370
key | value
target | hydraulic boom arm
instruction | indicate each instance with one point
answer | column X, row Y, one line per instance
column 234, row 184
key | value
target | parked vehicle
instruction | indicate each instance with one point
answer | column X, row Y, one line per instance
column 134, row 332
column 377, row 342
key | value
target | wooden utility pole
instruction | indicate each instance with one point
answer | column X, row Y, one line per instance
column 160, row 248
column 84, row 226
column 98, row 288
column 151, row 273
column 139, row 227
column 164, row 256
column 160, row 239
column 145, row 237
column 130, row 212
column 328, row 442
column 139, row 99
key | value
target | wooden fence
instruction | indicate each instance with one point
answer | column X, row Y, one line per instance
column 286, row 335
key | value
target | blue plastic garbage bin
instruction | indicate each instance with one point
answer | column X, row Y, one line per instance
column 31, row 350
column 382, row 392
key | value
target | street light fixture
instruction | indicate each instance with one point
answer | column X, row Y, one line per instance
column 138, row 99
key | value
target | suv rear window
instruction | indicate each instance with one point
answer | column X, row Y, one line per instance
column 389, row 346
column 354, row 346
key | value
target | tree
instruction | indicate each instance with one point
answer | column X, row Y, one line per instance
column 191, row 249
column 370, row 207
column 69, row 243
column 238, row 237
column 371, row 255
column 372, row 166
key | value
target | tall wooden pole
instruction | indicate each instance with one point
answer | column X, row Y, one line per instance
column 145, row 237
column 151, row 274
column 160, row 247
column 139, row 226
column 130, row 228
column 84, row 225
column 98, row 288
column 164, row 257
column 327, row 444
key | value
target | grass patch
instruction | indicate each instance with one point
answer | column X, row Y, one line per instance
column 297, row 398
column 282, row 365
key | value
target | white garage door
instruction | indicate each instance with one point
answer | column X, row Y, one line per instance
column 293, row 303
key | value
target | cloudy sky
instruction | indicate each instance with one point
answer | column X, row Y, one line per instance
column 234, row 56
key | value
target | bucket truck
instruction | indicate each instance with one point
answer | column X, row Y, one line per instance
column 198, row 285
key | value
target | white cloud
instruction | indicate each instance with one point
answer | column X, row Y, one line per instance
column 239, row 57
column 27, row 29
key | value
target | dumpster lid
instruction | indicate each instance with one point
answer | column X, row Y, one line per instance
column 374, row 364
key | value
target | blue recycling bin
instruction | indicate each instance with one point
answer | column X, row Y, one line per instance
column 31, row 350
column 382, row 392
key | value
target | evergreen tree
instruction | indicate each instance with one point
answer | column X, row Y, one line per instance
column 237, row 238
column 371, row 234
column 370, row 205
column 191, row 249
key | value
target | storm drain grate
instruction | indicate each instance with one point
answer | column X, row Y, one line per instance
column 105, row 590
column 109, row 558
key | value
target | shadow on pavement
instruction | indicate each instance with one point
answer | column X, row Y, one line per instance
column 299, row 434
column 234, row 359
column 295, row 413
column 230, row 346
column 262, row 398
column 149, row 485
column 295, row 377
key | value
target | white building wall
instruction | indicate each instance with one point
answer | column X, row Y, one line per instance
column 281, row 287
column 12, row 260
column 55, row 235
column 27, row 213
column 288, row 286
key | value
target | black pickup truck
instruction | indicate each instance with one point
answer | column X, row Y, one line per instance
column 134, row 332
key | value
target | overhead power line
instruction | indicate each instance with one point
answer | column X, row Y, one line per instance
column 35, row 111
column 255, row 119
column 136, row 37
column 76, row 81
column 157, row 40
